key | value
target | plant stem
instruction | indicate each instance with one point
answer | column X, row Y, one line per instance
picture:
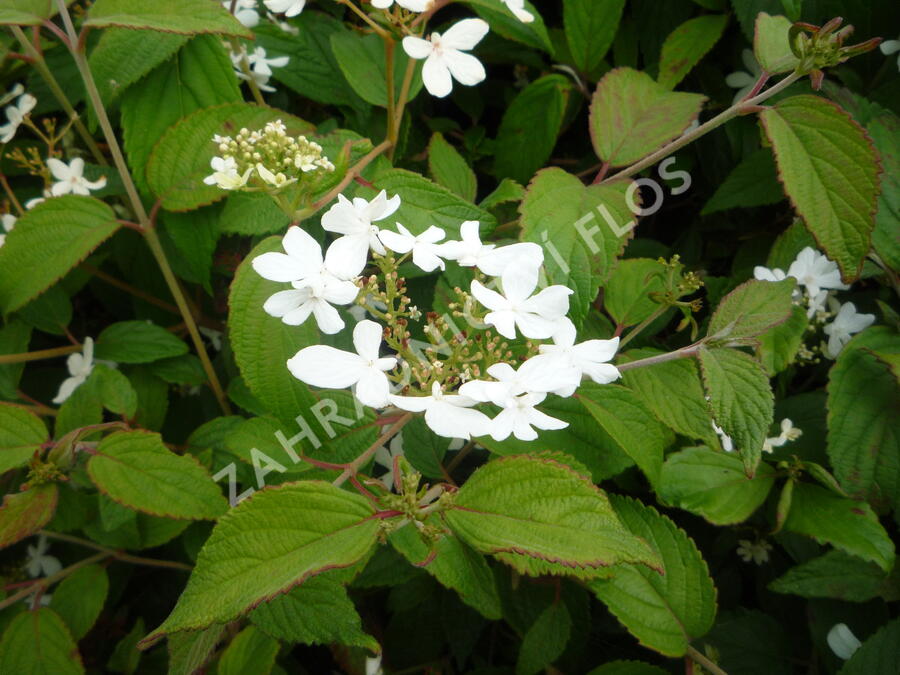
column 389, row 48
column 658, row 312
column 401, row 104
column 38, row 355
column 237, row 48
column 705, row 662
column 683, row 353
column 354, row 466
column 352, row 173
column 41, row 66
column 11, row 195
column 365, row 17
column 52, row 579
column 717, row 121
column 118, row 555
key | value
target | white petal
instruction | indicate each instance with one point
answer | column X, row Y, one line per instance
column 327, row 317
column 519, row 282
column 602, row 373
column 325, row 366
column 283, row 302
column 451, row 421
column 465, row 34
column 367, row 337
column 339, row 292
column 373, row 389
column 69, row 385
column 495, row 262
column 279, row 267
column 299, row 244
column 505, row 322
column 436, row 76
column 551, row 303
column 416, row 404
column 465, row 68
column 299, row 315
column 417, row 48
column 426, row 258
column 487, row 297
column 535, row 326
column 58, row 168
column 598, row 351
column 347, row 256
column 502, row 425
column 398, row 243
column 544, row 421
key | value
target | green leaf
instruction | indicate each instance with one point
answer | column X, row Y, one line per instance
column 188, row 17
column 530, row 127
column 193, row 236
column 24, row 513
column 846, row 524
column 14, row 338
column 590, row 27
column 363, row 62
column 250, row 650
column 741, row 400
column 181, row 158
column 49, row 312
column 203, row 77
column 38, row 643
column 753, row 182
column 630, row 424
column 751, row 642
column 27, row 12
column 879, row 655
column 252, row 213
column 508, row 191
column 505, row 24
column 318, row 612
column 79, row 598
column 115, row 391
column 454, row 565
column 503, row 509
column 885, row 132
column 665, row 612
column 21, row 435
column 836, row 199
column 190, row 650
column 834, row 575
column 627, row 668
column 47, row 242
column 752, row 308
column 450, row 169
column 631, row 116
column 287, row 534
column 137, row 342
column 714, row 485
column 863, row 399
column 545, row 641
column 772, row 46
column 560, row 213
column 137, row 470
column 778, row 346
column 626, row 297
column 126, row 657
column 687, row 45
column 424, row 449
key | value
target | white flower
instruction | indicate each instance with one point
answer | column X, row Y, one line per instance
column 757, row 551
column 816, row 303
column 447, row 415
column 489, row 258
column 261, row 63
column 411, row 5
column 815, row 271
column 591, row 358
column 847, row 323
column 40, row 564
column 15, row 92
column 324, row 366
column 889, row 47
column 71, row 178
column 517, row 7
column 842, row 641
column 446, row 58
column 385, row 458
column 214, row 337
column 15, row 114
column 788, row 433
column 286, row 7
column 520, row 418
column 354, row 220
column 225, row 174
column 745, row 81
column 536, row 316
column 8, row 221
column 80, row 366
column 244, row 11
column 425, row 249
column 761, row 273
column 373, row 664
column 538, row 375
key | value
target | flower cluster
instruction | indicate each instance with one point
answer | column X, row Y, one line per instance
column 819, row 278
column 270, row 156
column 449, row 379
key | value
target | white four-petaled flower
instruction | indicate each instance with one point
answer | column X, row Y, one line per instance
column 355, row 221
column 846, row 323
column 15, row 114
column 225, row 174
column 448, row 415
column 286, row 7
column 591, row 357
column 39, row 563
column 80, row 367
column 489, row 258
column 815, row 271
column 70, row 178
column 757, row 551
column 425, row 249
column 446, row 58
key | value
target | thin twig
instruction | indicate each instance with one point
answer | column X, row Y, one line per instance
column 38, row 355
column 683, row 353
column 705, row 662
column 46, row 582
column 356, row 464
column 118, row 555
column 352, row 173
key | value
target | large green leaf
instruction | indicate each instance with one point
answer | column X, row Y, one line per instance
column 667, row 611
column 24, row 513
column 829, row 169
column 752, row 308
column 627, row 294
column 79, row 598
column 772, row 46
column 47, row 242
column 687, row 45
column 627, row 668
column 581, row 247
column 530, row 126
column 169, row 16
column 590, row 27
column 38, row 643
column 21, row 435
column 632, row 115
column 363, row 61
column 863, row 399
column 834, row 575
column 714, row 485
column 741, row 399
column 271, row 542
column 504, row 509
column 450, row 169
column 138, row 342
column 846, row 524
column 137, row 470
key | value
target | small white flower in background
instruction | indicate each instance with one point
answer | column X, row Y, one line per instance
column 80, row 367
column 842, row 641
column 536, row 316
column 373, row 665
column 8, row 221
column 330, row 368
column 517, row 7
column 489, row 258
column 788, row 433
column 15, row 92
column 71, row 178
column 755, row 551
column 355, row 221
column 744, row 81
column 846, row 323
column 214, row 337
column 15, row 114
column 225, row 174
column 591, row 358
column 384, row 457
column 244, row 11
column 446, row 58
column 761, row 273
column 425, row 249
column 724, row 439
column 889, row 47
column 260, row 62
column 411, row 5
column 286, row 7
column 261, row 79
column 40, row 564
column 447, row 415
column 815, row 271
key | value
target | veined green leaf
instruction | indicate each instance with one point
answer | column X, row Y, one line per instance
column 362, row 59
column 834, row 575
column 190, row 650
column 27, row 12
column 450, row 169
column 752, row 308
column 502, row 21
column 250, row 650
column 79, row 598
column 626, row 295
column 687, row 45
column 169, row 16
column 590, row 27
column 24, row 513
column 772, row 46
column 137, row 342
column 753, row 182
column 546, row 640
column 38, row 642
column 21, row 435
